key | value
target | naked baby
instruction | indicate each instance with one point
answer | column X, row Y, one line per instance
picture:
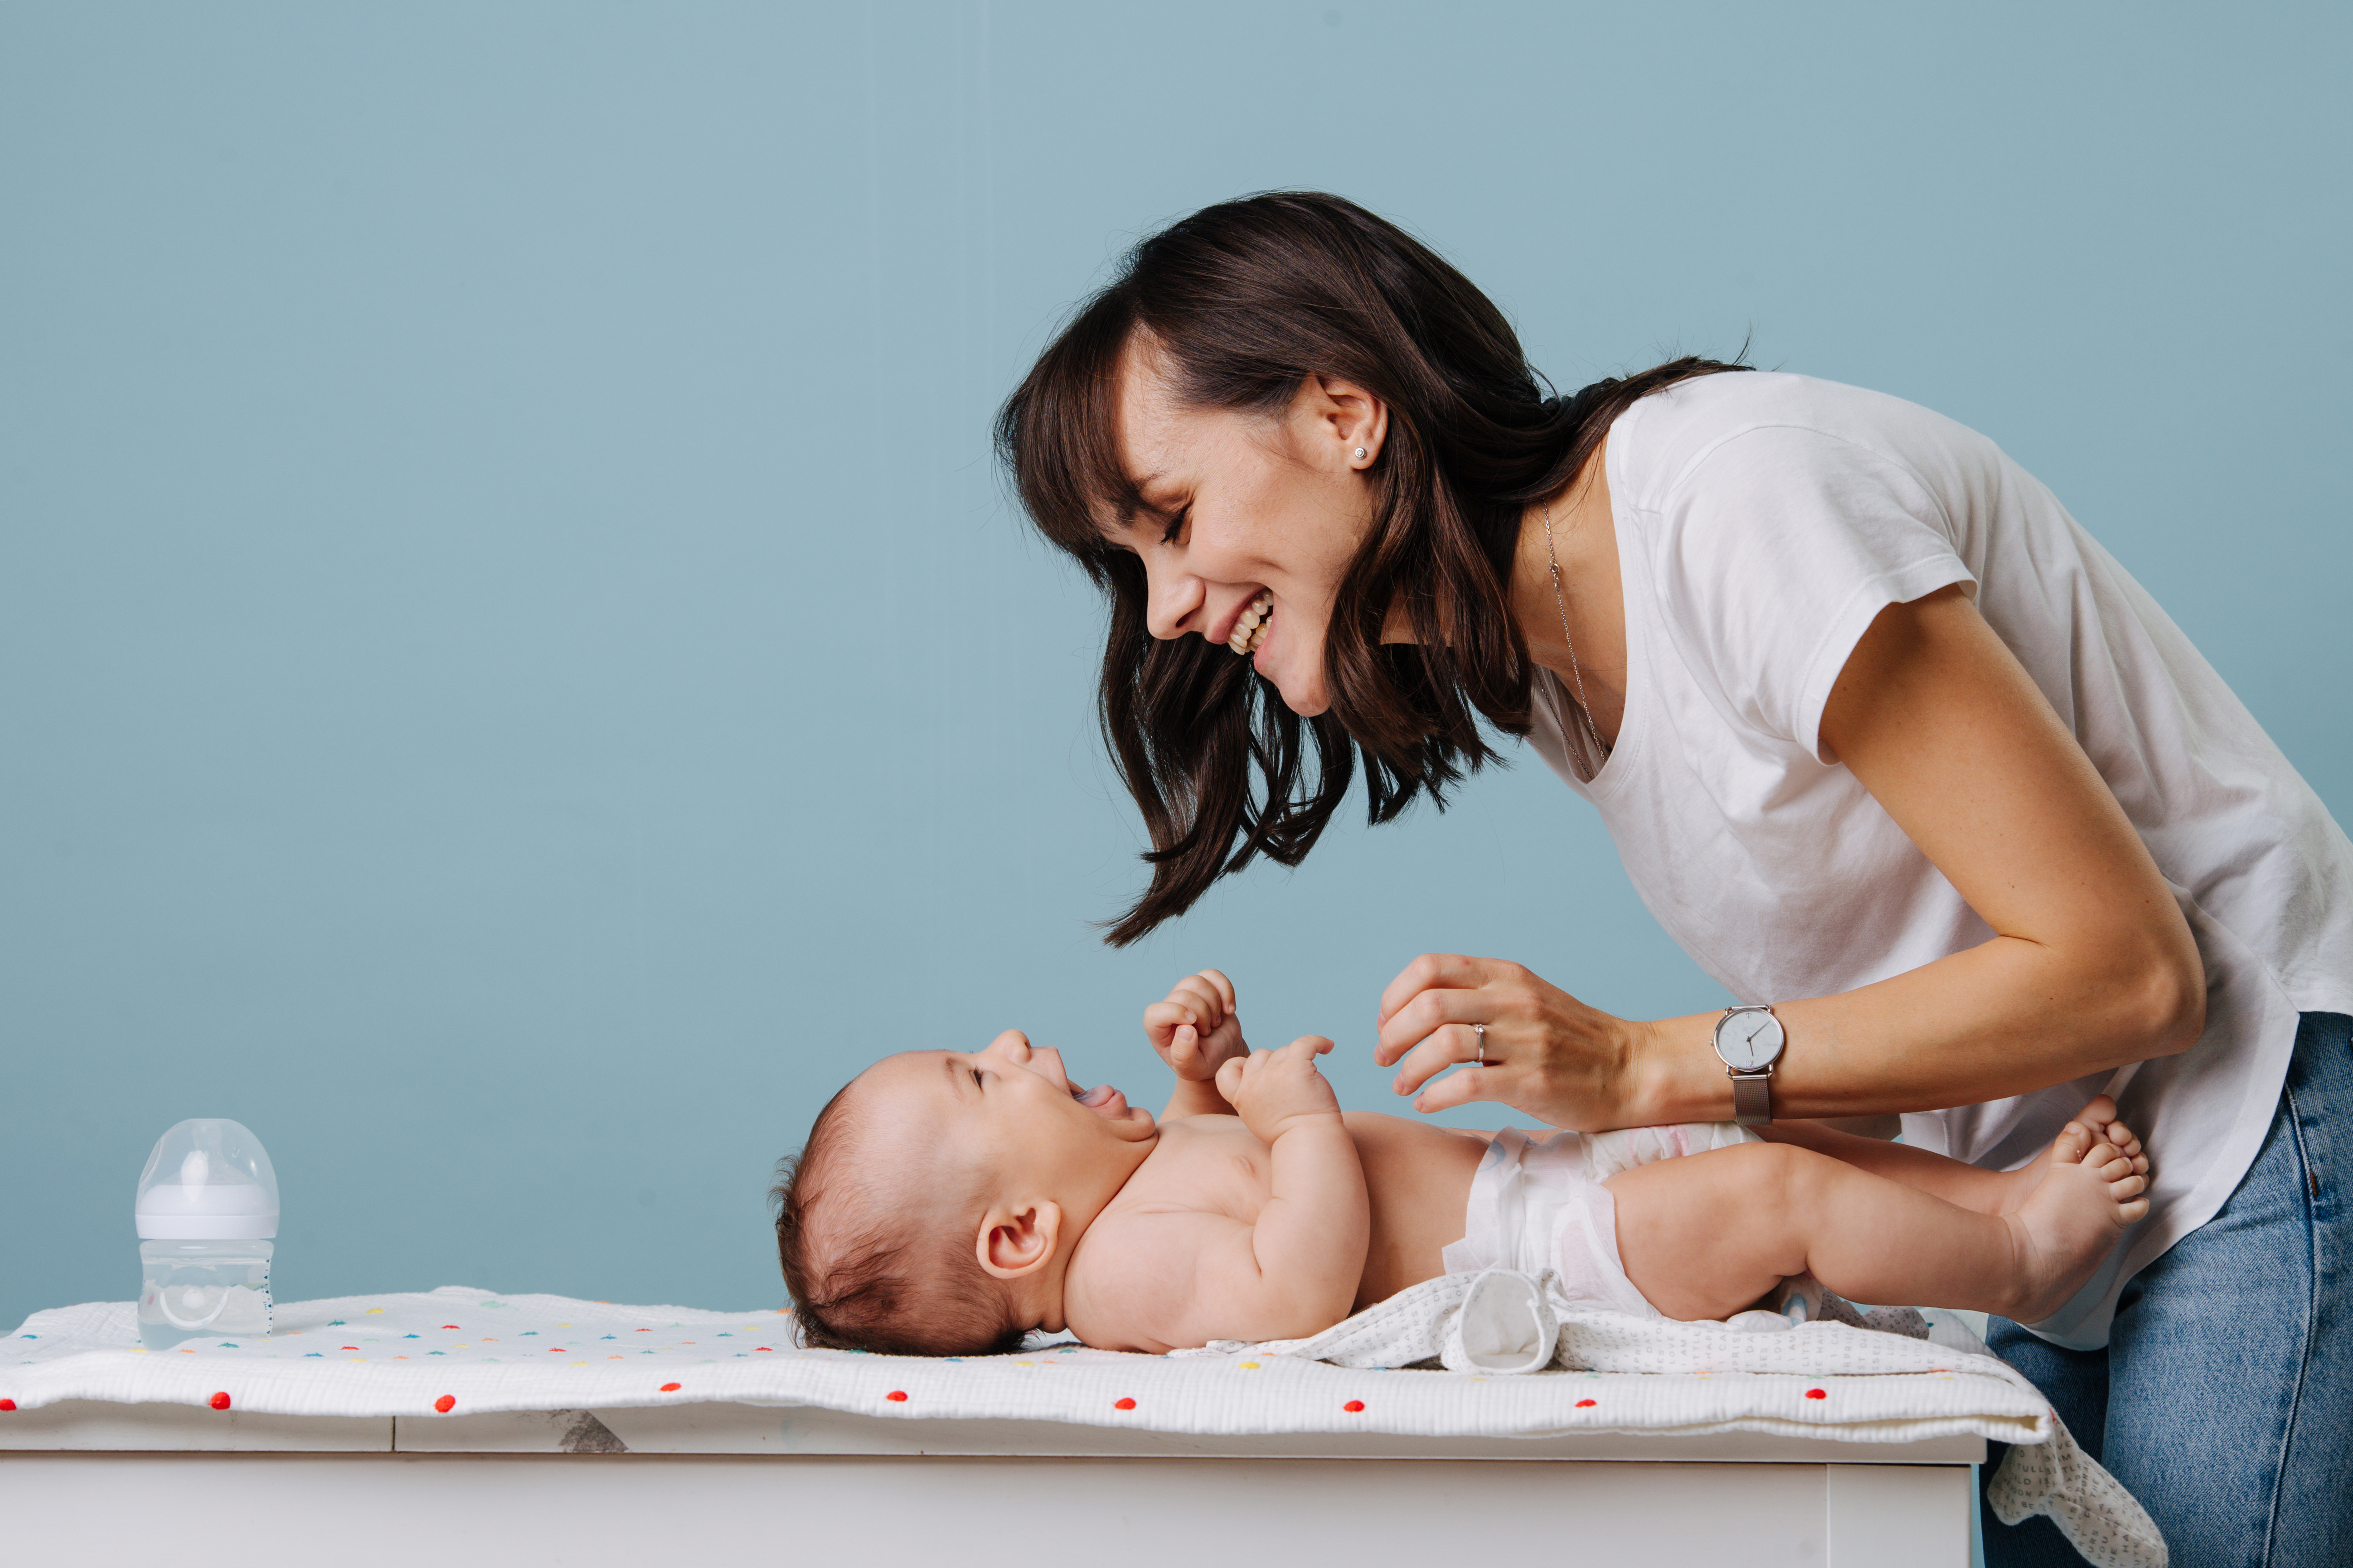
column 948, row 1202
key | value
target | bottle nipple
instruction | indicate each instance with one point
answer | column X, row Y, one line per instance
column 207, row 1179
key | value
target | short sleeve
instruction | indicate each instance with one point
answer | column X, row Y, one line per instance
column 1771, row 554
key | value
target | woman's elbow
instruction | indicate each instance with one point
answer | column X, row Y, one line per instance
column 2167, row 1014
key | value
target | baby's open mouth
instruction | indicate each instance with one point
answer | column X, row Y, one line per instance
column 1251, row 630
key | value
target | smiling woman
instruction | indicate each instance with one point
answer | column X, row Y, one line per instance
column 1368, row 512
column 1893, row 748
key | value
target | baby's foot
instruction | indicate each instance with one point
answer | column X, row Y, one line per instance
column 2099, row 1119
column 2090, row 1190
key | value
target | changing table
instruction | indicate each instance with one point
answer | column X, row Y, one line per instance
column 692, row 1440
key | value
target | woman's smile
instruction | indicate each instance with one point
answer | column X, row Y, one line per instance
column 1246, row 518
column 1250, row 626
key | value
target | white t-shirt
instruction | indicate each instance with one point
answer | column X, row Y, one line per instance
column 1763, row 521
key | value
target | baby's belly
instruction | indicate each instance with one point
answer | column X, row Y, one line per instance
column 1418, row 1178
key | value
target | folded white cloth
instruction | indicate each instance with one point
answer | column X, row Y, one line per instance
column 1499, row 1322
column 459, row 1350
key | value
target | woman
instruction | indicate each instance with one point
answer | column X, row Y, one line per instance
column 1885, row 740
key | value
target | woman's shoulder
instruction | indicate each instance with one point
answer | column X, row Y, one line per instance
column 1733, row 424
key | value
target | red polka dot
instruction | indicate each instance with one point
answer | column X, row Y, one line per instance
column 449, row 1325
column 555, row 1349
column 897, row 1397
column 8, row 1404
column 1817, row 1393
column 1353, row 1406
column 219, row 1402
column 761, row 1347
column 1584, row 1404
column 350, row 1347
column 446, row 1404
column 669, row 1388
column 1123, row 1404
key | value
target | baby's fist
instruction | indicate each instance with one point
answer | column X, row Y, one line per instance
column 1273, row 1090
column 1195, row 1030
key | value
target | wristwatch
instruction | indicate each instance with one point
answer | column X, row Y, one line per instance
column 1749, row 1039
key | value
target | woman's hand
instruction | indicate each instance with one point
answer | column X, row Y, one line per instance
column 1547, row 1053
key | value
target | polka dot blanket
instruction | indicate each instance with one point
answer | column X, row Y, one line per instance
column 463, row 1351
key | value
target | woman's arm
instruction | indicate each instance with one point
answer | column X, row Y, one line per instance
column 2091, row 966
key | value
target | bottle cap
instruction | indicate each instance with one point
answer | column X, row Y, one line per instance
column 209, row 1180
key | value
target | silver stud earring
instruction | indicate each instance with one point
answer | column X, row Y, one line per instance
column 1360, row 454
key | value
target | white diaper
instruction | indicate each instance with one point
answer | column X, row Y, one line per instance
column 1538, row 1204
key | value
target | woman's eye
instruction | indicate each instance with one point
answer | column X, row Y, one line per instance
column 1176, row 526
column 976, row 1078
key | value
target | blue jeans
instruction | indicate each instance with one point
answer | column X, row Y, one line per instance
column 2224, row 1397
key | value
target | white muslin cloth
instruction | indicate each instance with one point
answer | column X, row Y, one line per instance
column 459, row 1351
column 1501, row 1323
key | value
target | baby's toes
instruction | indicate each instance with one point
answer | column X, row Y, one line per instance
column 2110, row 1166
column 2124, row 1139
column 2074, row 1140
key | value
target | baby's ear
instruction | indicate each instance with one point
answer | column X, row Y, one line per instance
column 1018, row 1239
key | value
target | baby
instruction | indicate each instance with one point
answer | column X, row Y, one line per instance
column 947, row 1204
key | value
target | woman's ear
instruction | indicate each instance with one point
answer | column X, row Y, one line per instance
column 1018, row 1240
column 1342, row 422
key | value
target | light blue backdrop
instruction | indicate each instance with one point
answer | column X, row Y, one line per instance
column 517, row 675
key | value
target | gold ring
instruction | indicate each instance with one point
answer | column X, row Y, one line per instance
column 1481, row 1031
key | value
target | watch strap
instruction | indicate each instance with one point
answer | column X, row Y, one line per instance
column 1752, row 1098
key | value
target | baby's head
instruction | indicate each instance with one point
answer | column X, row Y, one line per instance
column 940, row 1195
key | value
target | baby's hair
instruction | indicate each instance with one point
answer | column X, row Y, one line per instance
column 867, row 1269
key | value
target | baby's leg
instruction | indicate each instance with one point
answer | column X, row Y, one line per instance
column 1706, row 1236
column 1988, row 1191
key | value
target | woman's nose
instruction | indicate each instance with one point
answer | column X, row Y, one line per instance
column 1171, row 600
column 1013, row 1045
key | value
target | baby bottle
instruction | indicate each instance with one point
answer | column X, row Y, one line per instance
column 207, row 1208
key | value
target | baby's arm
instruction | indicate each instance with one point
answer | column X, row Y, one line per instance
column 1161, row 1280
column 1307, row 1249
column 1196, row 1030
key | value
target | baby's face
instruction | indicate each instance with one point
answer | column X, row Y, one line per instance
column 1006, row 1108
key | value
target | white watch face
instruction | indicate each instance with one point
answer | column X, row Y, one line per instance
column 1747, row 1041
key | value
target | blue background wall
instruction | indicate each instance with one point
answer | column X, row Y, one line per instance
column 516, row 673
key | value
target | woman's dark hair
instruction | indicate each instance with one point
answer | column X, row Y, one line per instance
column 1241, row 301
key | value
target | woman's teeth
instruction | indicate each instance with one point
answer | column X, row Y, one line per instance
column 1251, row 630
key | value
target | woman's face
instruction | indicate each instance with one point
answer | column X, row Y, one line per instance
column 1252, row 519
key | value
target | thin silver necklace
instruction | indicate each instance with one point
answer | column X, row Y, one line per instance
column 1576, row 671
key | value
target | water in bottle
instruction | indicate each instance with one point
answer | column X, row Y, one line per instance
column 208, row 1210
